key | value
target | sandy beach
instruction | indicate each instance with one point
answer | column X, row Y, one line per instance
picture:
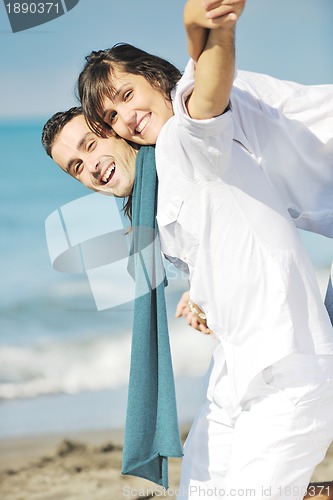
column 85, row 466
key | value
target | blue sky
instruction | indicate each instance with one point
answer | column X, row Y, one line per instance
column 291, row 39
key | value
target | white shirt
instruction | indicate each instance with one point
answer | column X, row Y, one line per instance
column 288, row 127
column 218, row 213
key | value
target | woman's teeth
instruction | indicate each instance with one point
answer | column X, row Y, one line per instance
column 142, row 124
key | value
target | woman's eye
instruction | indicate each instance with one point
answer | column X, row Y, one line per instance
column 91, row 145
column 112, row 117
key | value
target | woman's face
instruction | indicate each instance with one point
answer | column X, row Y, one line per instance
column 138, row 111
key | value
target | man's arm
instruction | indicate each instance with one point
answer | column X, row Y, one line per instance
column 216, row 64
column 200, row 16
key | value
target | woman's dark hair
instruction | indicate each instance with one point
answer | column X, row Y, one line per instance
column 94, row 85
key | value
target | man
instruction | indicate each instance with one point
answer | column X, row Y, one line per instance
column 101, row 164
column 106, row 165
column 270, row 389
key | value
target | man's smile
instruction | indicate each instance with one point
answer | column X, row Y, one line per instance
column 108, row 174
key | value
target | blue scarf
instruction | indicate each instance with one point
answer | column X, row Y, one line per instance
column 151, row 432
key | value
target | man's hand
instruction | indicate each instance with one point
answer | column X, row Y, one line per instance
column 189, row 313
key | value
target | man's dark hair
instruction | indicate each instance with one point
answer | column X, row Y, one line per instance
column 94, row 85
column 54, row 126
column 52, row 129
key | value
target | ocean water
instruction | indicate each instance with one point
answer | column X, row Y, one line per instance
column 63, row 364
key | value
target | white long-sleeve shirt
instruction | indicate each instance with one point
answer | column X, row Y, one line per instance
column 288, row 127
column 219, row 215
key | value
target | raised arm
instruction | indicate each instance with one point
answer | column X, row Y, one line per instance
column 216, row 64
column 197, row 27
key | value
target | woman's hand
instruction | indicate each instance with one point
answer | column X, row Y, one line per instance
column 192, row 314
column 212, row 14
column 223, row 12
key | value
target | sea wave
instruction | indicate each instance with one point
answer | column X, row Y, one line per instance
column 69, row 367
column 91, row 358
column 90, row 364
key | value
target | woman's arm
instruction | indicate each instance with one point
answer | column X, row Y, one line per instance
column 192, row 313
column 197, row 27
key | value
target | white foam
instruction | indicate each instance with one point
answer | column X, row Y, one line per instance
column 68, row 367
column 97, row 362
column 91, row 364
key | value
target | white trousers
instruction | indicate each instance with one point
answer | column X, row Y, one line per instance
column 267, row 445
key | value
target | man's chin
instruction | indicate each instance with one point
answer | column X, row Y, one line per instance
column 102, row 190
column 107, row 192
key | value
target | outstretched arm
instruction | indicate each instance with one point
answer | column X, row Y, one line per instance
column 216, row 64
column 197, row 27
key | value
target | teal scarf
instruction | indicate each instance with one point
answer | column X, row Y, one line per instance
column 151, row 432
column 329, row 298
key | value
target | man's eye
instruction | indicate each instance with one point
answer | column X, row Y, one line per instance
column 128, row 95
column 91, row 145
column 77, row 168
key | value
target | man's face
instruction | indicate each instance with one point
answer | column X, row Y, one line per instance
column 106, row 165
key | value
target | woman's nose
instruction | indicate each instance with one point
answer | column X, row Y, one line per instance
column 129, row 116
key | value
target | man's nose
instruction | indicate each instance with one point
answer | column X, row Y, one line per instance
column 92, row 165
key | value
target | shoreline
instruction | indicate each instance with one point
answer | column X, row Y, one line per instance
column 86, row 466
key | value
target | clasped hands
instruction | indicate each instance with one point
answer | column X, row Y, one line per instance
column 213, row 14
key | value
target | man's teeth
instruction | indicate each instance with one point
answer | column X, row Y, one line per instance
column 107, row 174
column 142, row 124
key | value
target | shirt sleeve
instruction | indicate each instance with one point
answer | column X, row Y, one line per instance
column 203, row 147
